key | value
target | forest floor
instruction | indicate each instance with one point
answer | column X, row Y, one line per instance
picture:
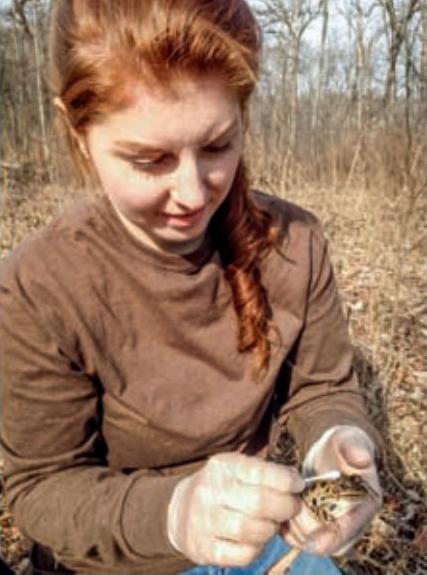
column 378, row 247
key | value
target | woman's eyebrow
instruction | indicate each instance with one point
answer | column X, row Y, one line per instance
column 143, row 147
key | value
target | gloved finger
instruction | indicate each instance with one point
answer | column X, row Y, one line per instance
column 348, row 545
column 357, row 518
column 347, row 449
column 301, row 527
column 372, row 479
column 326, row 541
column 321, row 541
column 354, row 449
column 346, row 529
column 260, row 502
column 292, row 534
column 237, row 527
column 255, row 471
column 305, row 522
column 225, row 553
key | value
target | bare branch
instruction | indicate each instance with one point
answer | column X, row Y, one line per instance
column 17, row 13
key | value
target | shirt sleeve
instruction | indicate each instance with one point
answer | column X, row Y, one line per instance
column 59, row 487
column 323, row 389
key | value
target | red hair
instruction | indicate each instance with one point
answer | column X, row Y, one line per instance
column 101, row 48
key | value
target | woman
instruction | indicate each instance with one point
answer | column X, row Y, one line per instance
column 156, row 338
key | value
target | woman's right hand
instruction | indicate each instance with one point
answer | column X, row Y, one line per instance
column 225, row 513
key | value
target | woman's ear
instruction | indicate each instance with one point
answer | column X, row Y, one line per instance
column 78, row 138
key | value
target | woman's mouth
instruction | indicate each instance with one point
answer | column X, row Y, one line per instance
column 185, row 220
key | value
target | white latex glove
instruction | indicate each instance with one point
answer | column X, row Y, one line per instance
column 351, row 451
column 225, row 513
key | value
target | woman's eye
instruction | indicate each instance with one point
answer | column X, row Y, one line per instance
column 146, row 165
column 142, row 165
column 218, row 149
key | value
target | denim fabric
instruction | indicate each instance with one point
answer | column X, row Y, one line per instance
column 304, row 564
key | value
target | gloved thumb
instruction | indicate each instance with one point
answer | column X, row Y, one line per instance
column 356, row 453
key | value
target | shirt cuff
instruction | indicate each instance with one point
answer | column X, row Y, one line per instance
column 144, row 517
column 310, row 458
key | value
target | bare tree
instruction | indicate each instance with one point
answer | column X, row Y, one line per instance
column 363, row 15
column 397, row 17
column 423, row 69
column 321, row 75
column 320, row 94
column 26, row 14
column 17, row 12
column 288, row 20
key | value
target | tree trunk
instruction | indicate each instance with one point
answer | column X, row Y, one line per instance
column 423, row 77
column 360, row 65
column 398, row 21
column 293, row 90
column 321, row 79
column 40, row 97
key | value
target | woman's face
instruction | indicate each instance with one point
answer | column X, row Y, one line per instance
column 168, row 162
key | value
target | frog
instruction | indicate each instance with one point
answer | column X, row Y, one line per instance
column 328, row 497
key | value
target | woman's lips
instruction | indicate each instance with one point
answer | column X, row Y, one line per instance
column 185, row 220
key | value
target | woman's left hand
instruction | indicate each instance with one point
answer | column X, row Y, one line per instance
column 350, row 451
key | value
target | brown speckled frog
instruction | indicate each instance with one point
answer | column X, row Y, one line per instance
column 328, row 497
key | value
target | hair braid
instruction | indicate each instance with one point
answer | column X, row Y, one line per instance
column 244, row 234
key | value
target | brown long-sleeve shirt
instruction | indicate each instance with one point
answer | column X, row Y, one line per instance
column 120, row 376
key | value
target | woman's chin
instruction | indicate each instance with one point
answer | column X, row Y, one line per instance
column 180, row 246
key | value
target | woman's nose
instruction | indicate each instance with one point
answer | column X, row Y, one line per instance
column 189, row 189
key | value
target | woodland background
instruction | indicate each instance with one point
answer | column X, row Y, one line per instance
column 339, row 125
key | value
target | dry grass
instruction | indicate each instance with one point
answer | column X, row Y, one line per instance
column 378, row 246
column 378, row 249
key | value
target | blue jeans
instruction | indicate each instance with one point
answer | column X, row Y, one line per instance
column 304, row 564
